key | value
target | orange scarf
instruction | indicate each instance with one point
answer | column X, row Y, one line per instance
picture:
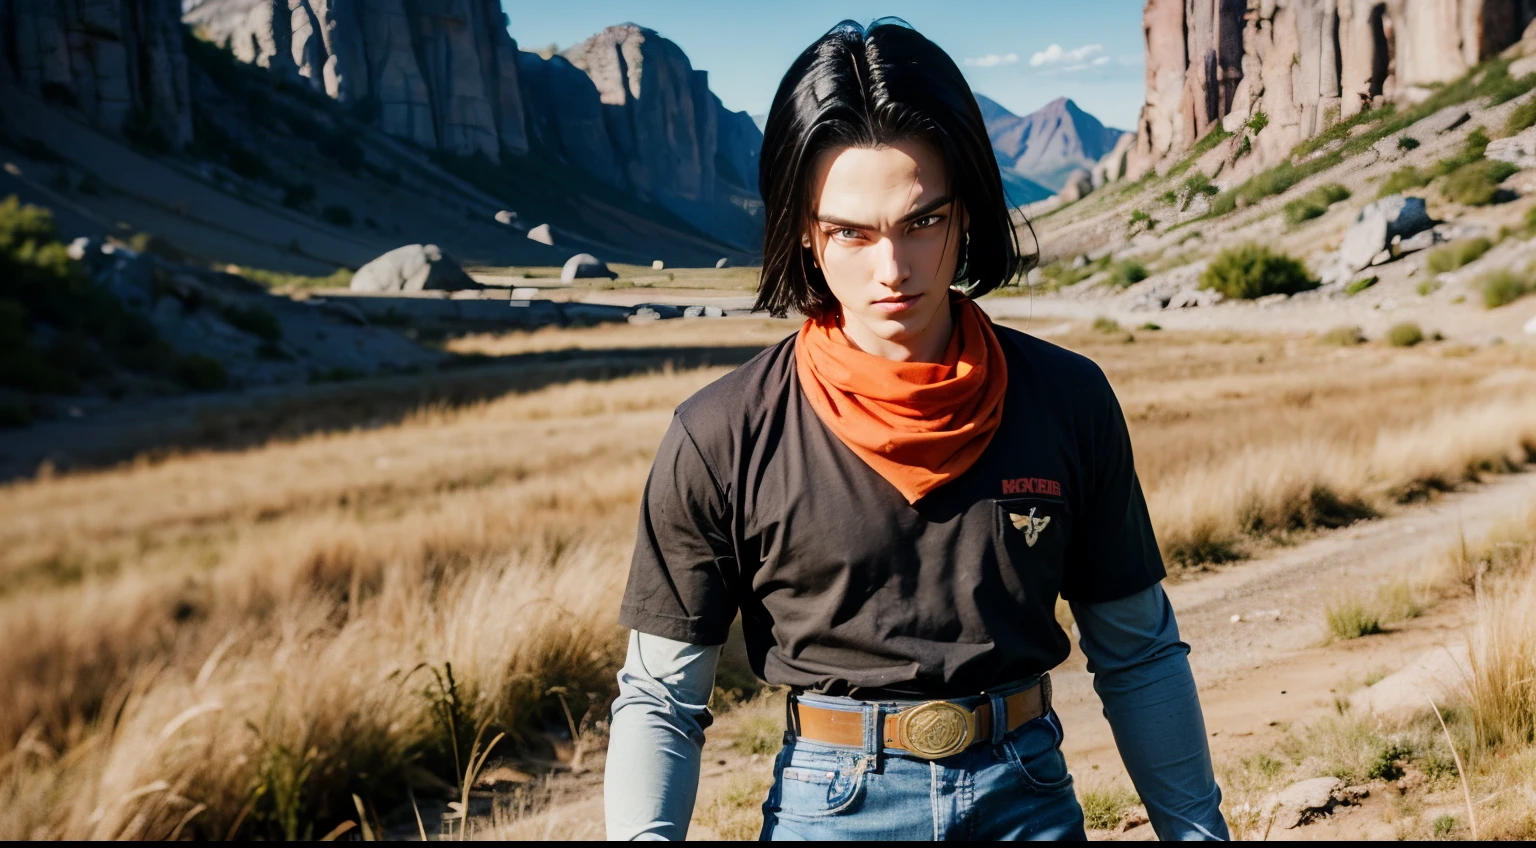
column 917, row 424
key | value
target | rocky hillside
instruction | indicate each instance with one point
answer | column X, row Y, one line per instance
column 625, row 105
column 1302, row 64
column 349, row 130
column 1049, row 145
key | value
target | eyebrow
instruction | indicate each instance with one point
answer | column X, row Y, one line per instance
column 926, row 209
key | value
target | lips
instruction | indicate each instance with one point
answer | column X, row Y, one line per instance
column 895, row 304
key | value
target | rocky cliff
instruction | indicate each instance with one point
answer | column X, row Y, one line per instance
column 1305, row 64
column 119, row 62
column 442, row 73
column 626, row 106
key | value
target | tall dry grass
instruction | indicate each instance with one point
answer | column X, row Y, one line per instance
column 236, row 643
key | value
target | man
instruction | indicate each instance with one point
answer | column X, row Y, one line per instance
column 893, row 499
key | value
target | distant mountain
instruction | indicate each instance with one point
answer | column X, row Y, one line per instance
column 1046, row 146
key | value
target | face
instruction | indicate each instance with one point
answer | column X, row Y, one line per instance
column 887, row 234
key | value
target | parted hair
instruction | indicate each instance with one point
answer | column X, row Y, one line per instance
column 873, row 86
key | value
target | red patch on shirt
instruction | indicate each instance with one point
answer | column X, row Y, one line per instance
column 1032, row 486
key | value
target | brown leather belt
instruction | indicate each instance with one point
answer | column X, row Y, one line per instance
column 932, row 730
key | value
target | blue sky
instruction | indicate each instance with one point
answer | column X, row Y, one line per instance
column 1021, row 53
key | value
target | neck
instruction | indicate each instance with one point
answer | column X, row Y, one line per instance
column 927, row 344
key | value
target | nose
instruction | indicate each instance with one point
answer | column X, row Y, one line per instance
column 890, row 266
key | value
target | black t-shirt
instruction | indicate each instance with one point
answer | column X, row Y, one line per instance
column 845, row 588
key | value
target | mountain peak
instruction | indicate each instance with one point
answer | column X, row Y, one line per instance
column 1050, row 143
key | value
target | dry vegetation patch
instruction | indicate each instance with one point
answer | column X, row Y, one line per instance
column 237, row 643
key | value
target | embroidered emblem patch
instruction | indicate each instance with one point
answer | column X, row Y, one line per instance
column 1031, row 525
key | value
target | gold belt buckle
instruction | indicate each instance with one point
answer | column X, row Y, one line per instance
column 936, row 729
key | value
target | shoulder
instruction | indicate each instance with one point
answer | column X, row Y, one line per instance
column 721, row 415
column 1067, row 374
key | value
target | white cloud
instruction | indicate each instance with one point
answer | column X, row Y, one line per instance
column 1056, row 54
column 992, row 60
column 1102, row 60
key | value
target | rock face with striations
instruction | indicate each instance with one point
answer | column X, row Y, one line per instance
column 442, row 73
column 114, row 60
column 628, row 107
column 670, row 136
column 1306, row 64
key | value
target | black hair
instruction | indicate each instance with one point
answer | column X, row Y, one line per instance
column 871, row 87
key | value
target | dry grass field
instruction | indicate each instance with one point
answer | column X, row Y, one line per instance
column 273, row 641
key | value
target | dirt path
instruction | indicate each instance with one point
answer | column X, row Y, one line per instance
column 1272, row 668
column 1258, row 675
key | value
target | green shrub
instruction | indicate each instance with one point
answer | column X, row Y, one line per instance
column 1150, row 327
column 1403, row 180
column 1406, row 334
column 1194, row 185
column 1258, row 122
column 1504, row 287
column 1522, row 119
column 1127, row 272
column 1477, row 184
column 1314, row 203
column 1343, row 337
column 1406, row 143
column 1252, row 270
column 1360, row 285
column 299, row 195
column 201, row 373
column 14, row 412
column 1139, row 217
column 1425, row 288
column 255, row 320
column 1106, row 325
column 1457, row 254
column 337, row 215
column 1104, row 807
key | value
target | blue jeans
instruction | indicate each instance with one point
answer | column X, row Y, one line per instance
column 1017, row 788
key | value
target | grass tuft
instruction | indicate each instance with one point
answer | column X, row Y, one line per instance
column 1314, row 203
column 1505, row 286
column 1406, row 334
column 1458, row 253
column 1104, row 807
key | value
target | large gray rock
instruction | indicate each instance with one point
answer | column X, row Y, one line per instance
column 1303, row 801
column 1518, row 150
column 584, row 266
column 1377, row 224
column 415, row 267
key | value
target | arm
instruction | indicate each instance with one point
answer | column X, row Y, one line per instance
column 657, row 736
column 1141, row 672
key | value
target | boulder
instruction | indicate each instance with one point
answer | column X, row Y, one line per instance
column 542, row 235
column 506, row 217
column 1518, row 150
column 1442, row 122
column 1079, row 185
column 584, row 266
column 415, row 267
column 1405, row 693
column 1376, row 226
column 657, row 265
column 1530, row 326
column 1303, row 801
column 723, row 263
